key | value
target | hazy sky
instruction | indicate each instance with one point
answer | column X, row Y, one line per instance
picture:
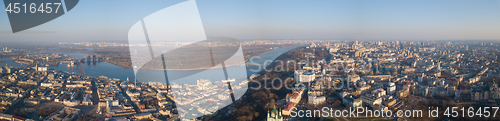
column 110, row 20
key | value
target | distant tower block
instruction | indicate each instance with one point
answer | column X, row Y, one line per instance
column 415, row 63
column 438, row 66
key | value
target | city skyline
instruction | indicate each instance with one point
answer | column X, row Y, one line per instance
column 341, row 20
column 250, row 60
column 385, row 76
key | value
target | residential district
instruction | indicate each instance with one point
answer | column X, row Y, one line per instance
column 383, row 75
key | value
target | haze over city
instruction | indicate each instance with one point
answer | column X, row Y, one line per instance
column 342, row 20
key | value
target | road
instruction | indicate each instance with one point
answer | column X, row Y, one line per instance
column 130, row 100
column 156, row 91
column 80, row 69
column 95, row 95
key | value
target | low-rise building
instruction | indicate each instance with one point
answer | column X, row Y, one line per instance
column 64, row 114
column 402, row 93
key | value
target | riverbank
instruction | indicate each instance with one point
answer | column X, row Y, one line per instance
column 125, row 61
column 96, row 69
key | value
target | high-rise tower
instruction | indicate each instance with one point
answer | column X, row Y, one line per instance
column 438, row 66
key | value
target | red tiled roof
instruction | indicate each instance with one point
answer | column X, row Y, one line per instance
column 452, row 79
column 293, row 95
column 20, row 118
column 289, row 106
column 407, row 83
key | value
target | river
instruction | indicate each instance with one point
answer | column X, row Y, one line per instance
column 113, row 71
